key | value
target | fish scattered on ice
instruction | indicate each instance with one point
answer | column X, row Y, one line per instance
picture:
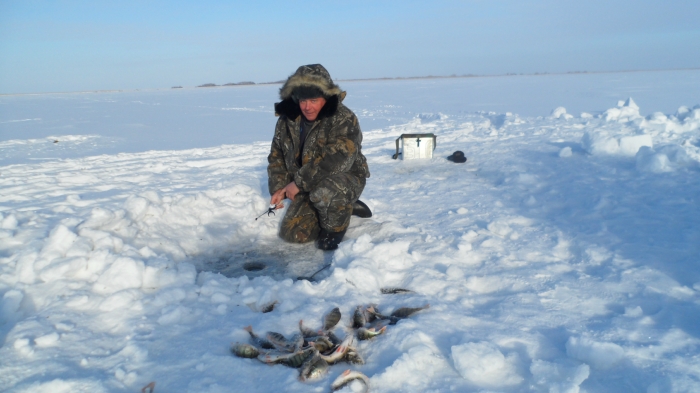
column 313, row 351
column 245, row 350
column 295, row 359
column 268, row 307
column 365, row 334
column 353, row 357
column 395, row 291
column 257, row 341
column 313, row 368
column 339, row 353
column 281, row 343
column 151, row 386
column 331, row 319
column 347, row 377
column 405, row 312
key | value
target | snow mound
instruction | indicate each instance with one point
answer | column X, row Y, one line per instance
column 685, row 120
column 625, row 133
column 601, row 143
column 599, row 355
column 559, row 378
column 625, row 111
column 560, row 112
column 484, row 365
column 10, row 306
column 666, row 159
column 415, row 368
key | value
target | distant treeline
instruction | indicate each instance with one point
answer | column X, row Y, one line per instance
column 441, row 77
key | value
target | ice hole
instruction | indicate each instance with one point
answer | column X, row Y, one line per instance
column 284, row 261
column 253, row 266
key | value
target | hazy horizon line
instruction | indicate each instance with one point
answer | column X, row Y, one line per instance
column 250, row 83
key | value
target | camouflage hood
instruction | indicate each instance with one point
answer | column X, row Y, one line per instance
column 312, row 75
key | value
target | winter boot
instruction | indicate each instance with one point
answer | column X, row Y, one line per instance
column 361, row 210
column 329, row 240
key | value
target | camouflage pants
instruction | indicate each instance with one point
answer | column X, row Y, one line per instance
column 328, row 206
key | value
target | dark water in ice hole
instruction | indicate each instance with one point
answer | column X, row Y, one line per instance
column 288, row 261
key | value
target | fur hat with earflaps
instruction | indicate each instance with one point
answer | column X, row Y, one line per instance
column 309, row 81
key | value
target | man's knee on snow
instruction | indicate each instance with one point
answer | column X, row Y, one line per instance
column 322, row 196
column 301, row 232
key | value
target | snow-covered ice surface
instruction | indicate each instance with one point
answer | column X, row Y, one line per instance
column 562, row 257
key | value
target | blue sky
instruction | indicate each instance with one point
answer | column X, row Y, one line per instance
column 48, row 46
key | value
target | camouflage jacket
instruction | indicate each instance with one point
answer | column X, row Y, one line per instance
column 333, row 145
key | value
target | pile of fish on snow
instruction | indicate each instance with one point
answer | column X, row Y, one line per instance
column 313, row 351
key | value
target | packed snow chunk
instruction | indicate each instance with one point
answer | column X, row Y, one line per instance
column 559, row 378
column 560, row 112
column 9, row 222
column 160, row 273
column 634, row 312
column 148, row 204
column 625, row 111
column 418, row 369
column 647, row 160
column 598, row 355
column 601, row 143
column 48, row 340
column 664, row 159
column 500, row 228
column 630, row 145
column 682, row 112
column 484, row 365
column 686, row 114
column 123, row 273
column 676, row 154
column 106, row 220
column 137, row 207
column 10, row 306
column 22, row 346
column 123, row 300
column 658, row 122
column 65, row 268
column 467, row 240
column 565, row 152
column 59, row 242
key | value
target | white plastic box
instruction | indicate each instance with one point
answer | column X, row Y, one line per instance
column 415, row 146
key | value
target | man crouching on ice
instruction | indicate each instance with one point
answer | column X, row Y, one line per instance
column 316, row 160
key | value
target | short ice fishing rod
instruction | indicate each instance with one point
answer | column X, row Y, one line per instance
column 270, row 210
